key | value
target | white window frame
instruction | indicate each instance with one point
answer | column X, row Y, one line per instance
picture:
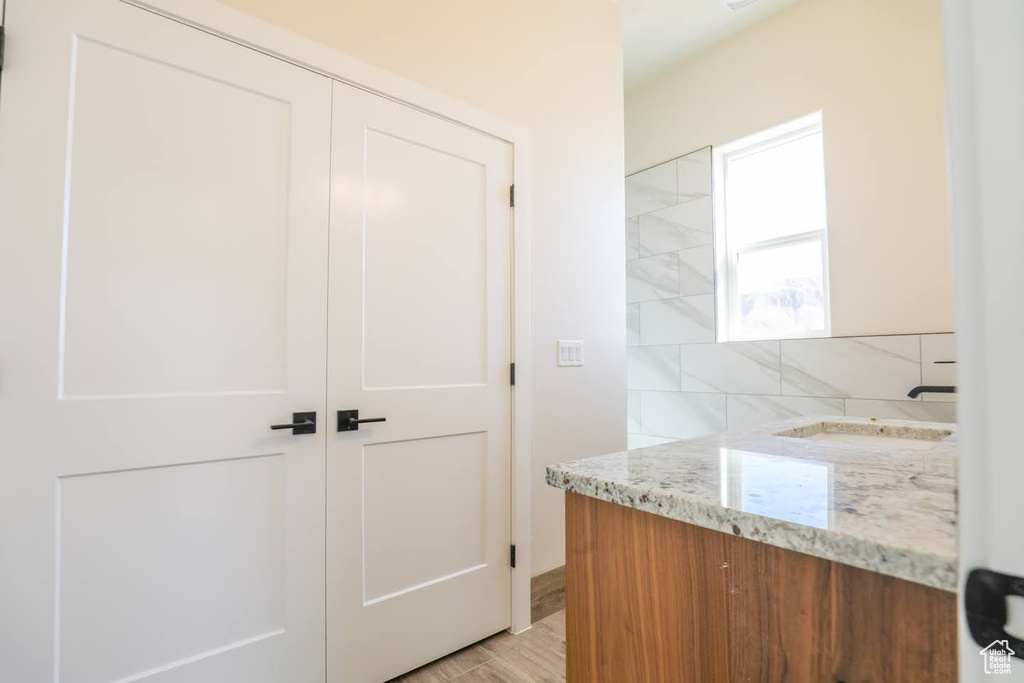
column 727, row 254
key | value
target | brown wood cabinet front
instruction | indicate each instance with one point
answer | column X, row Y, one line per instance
column 652, row 599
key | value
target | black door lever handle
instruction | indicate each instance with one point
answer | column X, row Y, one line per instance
column 302, row 423
column 348, row 420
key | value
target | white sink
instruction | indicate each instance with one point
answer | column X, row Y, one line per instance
column 873, row 440
column 870, row 434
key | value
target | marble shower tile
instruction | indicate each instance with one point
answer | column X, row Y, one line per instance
column 854, row 367
column 652, row 278
column 734, row 368
column 632, row 412
column 632, row 238
column 938, row 347
column 678, row 227
column 653, row 367
column 651, row 190
column 694, row 172
column 750, row 411
column 632, row 324
column 923, row 411
column 682, row 416
column 682, row 320
column 697, row 271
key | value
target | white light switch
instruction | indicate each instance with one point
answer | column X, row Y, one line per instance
column 570, row 352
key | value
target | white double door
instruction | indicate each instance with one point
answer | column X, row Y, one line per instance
column 197, row 241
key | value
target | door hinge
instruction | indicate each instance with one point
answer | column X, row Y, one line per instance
column 1, row 48
column 512, row 556
column 512, row 373
column 512, row 195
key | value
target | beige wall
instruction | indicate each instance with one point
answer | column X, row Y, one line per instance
column 556, row 69
column 874, row 68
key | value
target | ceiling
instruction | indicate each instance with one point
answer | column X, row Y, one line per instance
column 659, row 33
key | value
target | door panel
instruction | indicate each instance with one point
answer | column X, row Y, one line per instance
column 425, row 512
column 199, row 283
column 432, row 329
column 163, row 275
column 226, row 548
column 419, row 333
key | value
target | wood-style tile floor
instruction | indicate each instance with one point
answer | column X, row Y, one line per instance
column 534, row 656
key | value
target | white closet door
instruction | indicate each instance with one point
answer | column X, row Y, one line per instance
column 420, row 311
column 163, row 279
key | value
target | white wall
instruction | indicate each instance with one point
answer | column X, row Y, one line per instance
column 556, row 69
column 874, row 68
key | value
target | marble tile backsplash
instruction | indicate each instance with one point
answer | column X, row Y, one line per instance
column 861, row 367
column 652, row 278
column 656, row 188
column 682, row 384
column 749, row 411
column 652, row 368
column 735, row 368
column 679, row 320
column 936, row 370
column 683, row 226
column 679, row 415
column 697, row 271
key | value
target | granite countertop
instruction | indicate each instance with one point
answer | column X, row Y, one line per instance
column 888, row 508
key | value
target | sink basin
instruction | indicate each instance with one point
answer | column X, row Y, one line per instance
column 870, row 434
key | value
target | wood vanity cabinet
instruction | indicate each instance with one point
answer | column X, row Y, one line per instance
column 651, row 599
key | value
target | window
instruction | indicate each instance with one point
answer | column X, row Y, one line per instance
column 770, row 234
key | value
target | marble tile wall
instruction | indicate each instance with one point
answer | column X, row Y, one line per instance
column 682, row 384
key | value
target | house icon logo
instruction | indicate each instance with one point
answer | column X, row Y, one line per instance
column 997, row 657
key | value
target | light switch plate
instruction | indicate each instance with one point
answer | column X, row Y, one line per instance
column 570, row 353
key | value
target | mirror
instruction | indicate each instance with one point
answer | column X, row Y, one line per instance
column 787, row 223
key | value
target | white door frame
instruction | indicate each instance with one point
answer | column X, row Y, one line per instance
column 256, row 34
column 984, row 46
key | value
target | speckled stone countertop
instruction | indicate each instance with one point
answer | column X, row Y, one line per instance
column 888, row 509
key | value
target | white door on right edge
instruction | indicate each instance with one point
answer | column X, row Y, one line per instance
column 419, row 333
column 985, row 108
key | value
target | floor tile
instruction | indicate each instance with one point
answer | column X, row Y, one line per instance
column 462, row 661
column 494, row 671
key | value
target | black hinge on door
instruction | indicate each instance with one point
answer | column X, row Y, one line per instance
column 512, row 373
column 985, row 604
column 1, row 48
column 511, row 195
column 512, row 556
